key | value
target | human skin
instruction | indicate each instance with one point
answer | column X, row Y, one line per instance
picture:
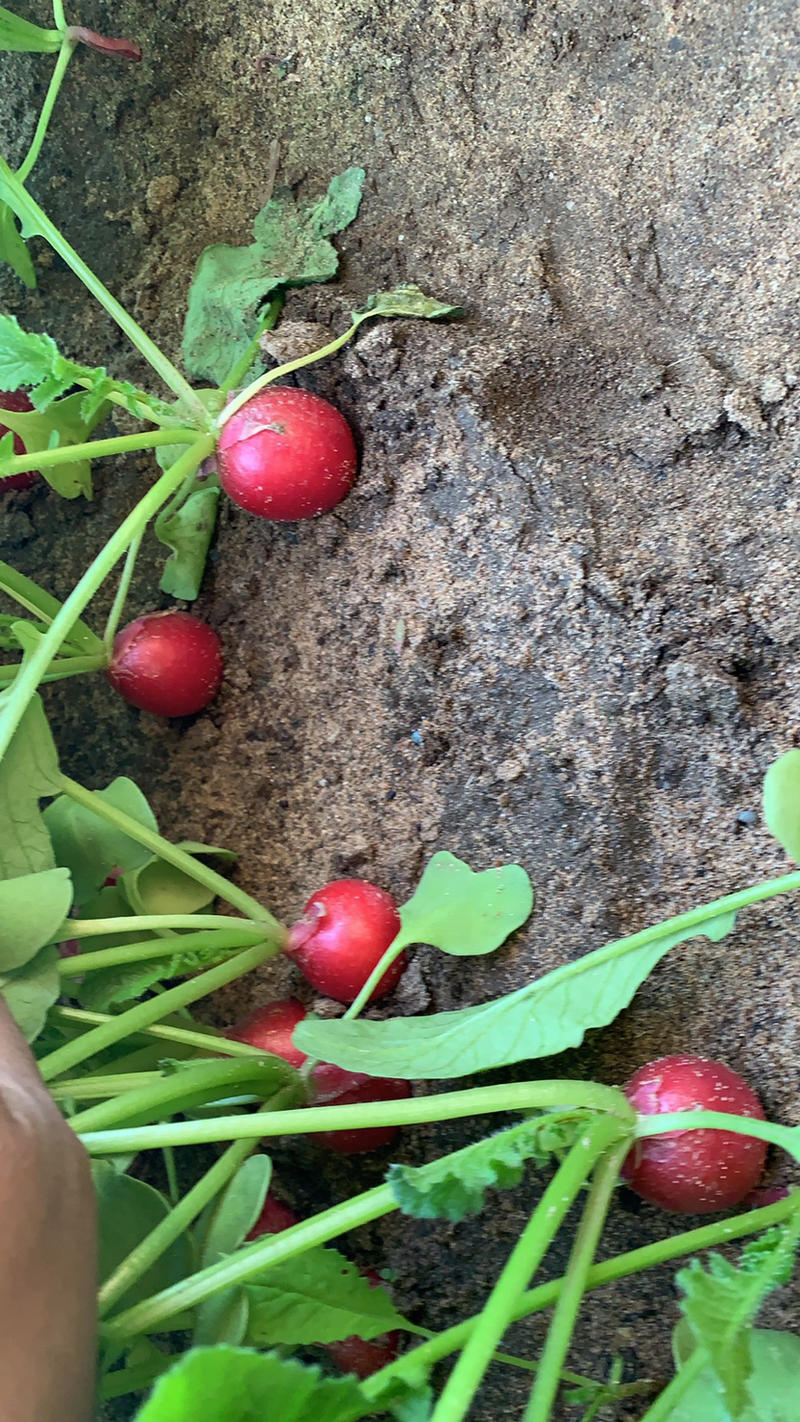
column 48, row 1249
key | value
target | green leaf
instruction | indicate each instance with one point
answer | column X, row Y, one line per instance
column 128, row 1210
column 317, row 1297
column 782, row 802
column 231, row 284
column 720, row 1303
column 462, row 912
column 224, row 1317
column 90, row 847
column 24, row 37
column 406, row 301
column 225, row 1384
column 546, row 1016
column 63, row 423
column 111, row 986
column 32, row 908
column 158, row 887
column 28, row 770
column 416, row 1406
column 12, row 245
column 31, row 360
column 456, row 1186
column 31, row 991
column 771, row 1386
column 188, row 532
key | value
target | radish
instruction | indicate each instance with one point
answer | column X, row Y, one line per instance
column 346, row 927
column 286, row 454
column 274, row 1218
column 270, row 1029
column 693, row 1172
column 333, row 1086
column 364, row 1356
column 18, row 403
column 169, row 663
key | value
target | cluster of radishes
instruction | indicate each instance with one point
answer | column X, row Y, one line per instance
column 344, row 931
column 285, row 455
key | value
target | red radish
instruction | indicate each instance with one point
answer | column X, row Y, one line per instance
column 18, row 403
column 270, row 1029
column 169, row 663
column 274, row 1218
column 286, row 454
column 346, row 927
column 332, row 1086
column 365, row 1356
column 700, row 1171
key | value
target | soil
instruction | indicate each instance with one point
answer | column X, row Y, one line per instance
column 556, row 620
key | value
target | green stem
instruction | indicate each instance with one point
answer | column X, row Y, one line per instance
column 288, row 369
column 203, row 1041
column 151, row 1248
column 562, row 1325
column 663, row 1408
column 622, row 1266
column 161, row 847
column 522, row 1263
column 15, row 702
column 99, row 927
column 46, row 113
column 46, row 607
column 120, row 598
column 137, row 402
column 98, row 1088
column 145, row 1013
column 244, row 363
column 181, row 1090
column 34, row 217
column 59, row 18
column 448, row 1106
column 59, row 669
column 150, row 1314
column 171, row 1173
column 787, row 1137
column 150, row 948
column 393, row 951
column 94, row 449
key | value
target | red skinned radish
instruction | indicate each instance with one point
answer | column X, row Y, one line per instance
column 697, row 1171
column 286, row 455
column 346, row 927
column 270, row 1029
column 169, row 663
column 17, row 402
column 364, row 1356
column 274, row 1218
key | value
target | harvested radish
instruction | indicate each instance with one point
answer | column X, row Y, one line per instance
column 698, row 1171
column 169, row 663
column 270, row 1029
column 274, row 1218
column 364, row 1356
column 18, row 403
column 346, row 927
column 333, row 1086
column 286, row 454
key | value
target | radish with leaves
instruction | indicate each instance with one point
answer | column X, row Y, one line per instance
column 699, row 1171
column 286, row 454
column 346, row 927
column 169, row 663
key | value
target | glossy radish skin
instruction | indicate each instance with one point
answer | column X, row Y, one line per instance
column 274, row 1218
column 270, row 1029
column 693, row 1172
column 346, row 927
column 365, row 1356
column 17, row 402
column 286, row 454
column 169, row 663
column 333, row 1086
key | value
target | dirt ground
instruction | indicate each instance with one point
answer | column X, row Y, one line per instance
column 556, row 621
